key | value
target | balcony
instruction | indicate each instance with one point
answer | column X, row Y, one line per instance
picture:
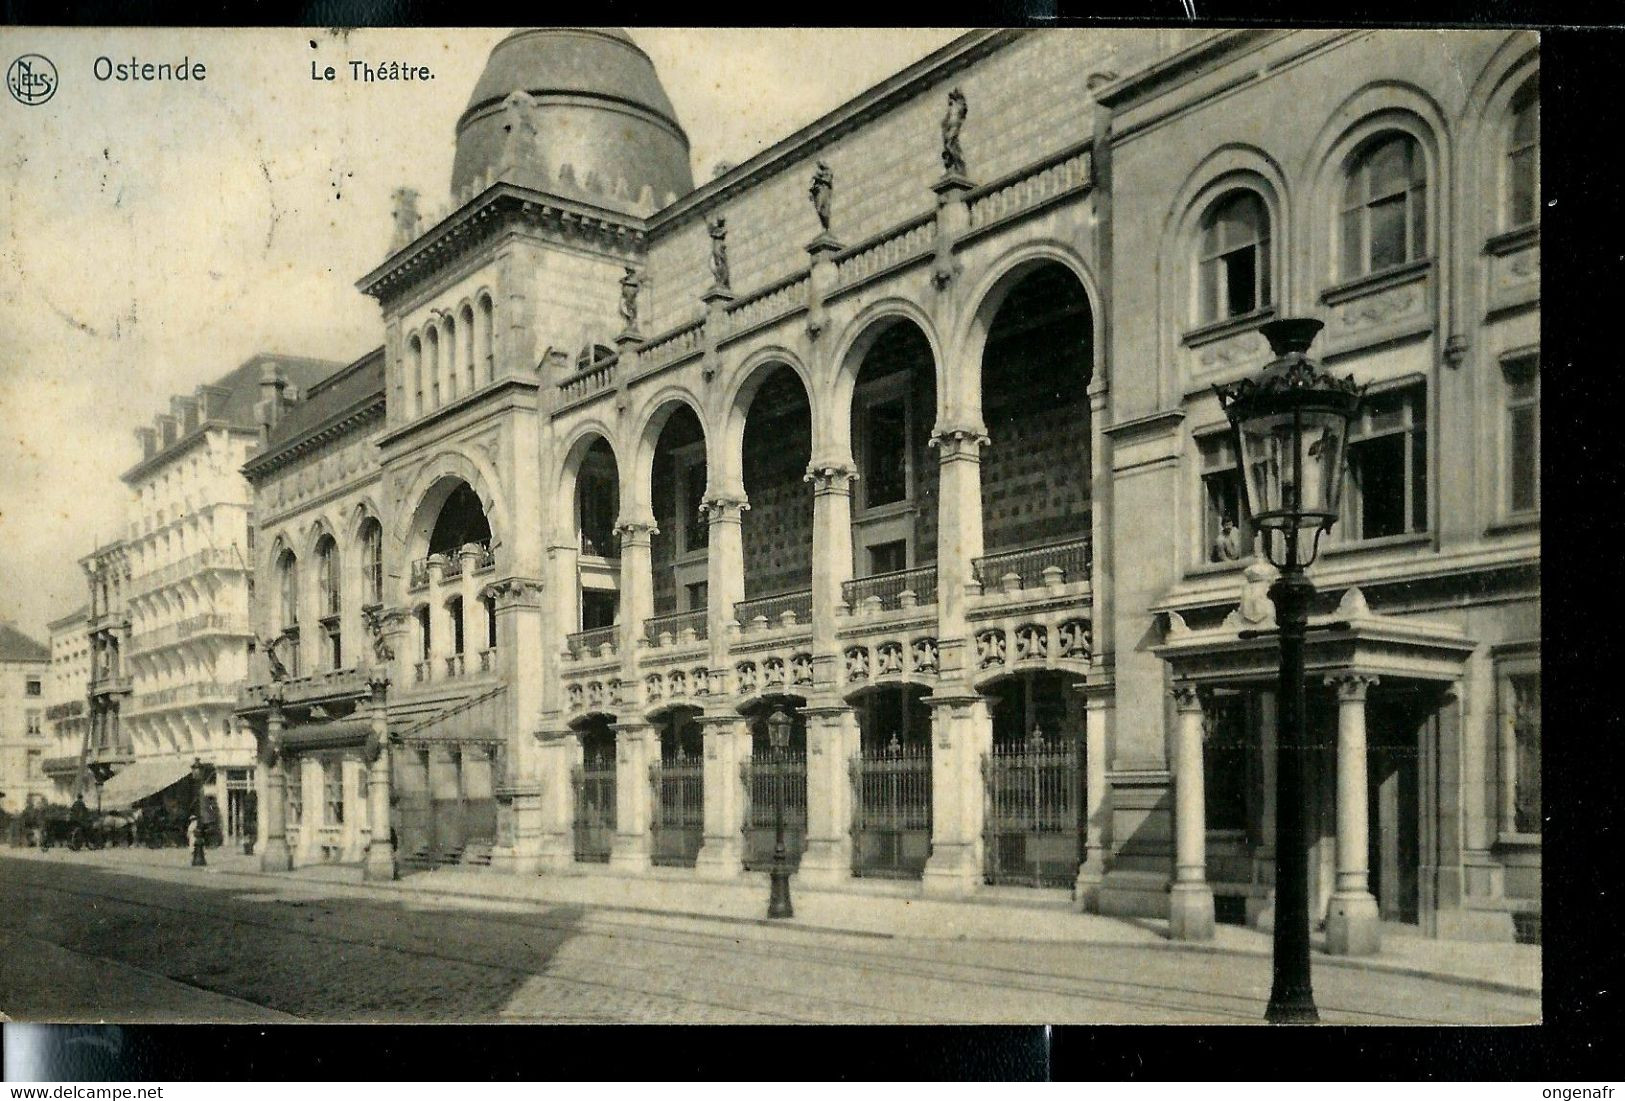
column 451, row 565
column 589, row 644
column 181, row 695
column 682, row 627
column 210, row 558
column 890, row 591
column 109, row 683
column 209, row 623
column 330, row 685
column 1036, row 567
column 768, row 612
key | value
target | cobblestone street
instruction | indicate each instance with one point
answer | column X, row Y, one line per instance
column 85, row 942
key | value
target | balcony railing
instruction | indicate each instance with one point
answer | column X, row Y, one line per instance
column 487, row 557
column 587, row 643
column 488, row 660
column 1071, row 557
column 747, row 612
column 208, row 558
column 453, row 566
column 890, row 587
column 199, row 692
column 454, row 665
column 674, row 624
column 207, row 623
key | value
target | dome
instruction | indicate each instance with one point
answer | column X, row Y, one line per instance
column 590, row 121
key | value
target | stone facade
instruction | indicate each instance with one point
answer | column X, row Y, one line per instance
column 24, row 741
column 943, row 481
column 67, row 709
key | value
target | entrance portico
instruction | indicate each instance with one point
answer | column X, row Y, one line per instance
column 1360, row 664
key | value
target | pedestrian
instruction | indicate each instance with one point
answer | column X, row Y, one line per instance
column 191, row 832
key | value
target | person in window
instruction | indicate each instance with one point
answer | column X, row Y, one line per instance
column 1227, row 545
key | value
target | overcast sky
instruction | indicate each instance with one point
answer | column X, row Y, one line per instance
column 155, row 235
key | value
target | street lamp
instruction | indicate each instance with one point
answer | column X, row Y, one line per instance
column 199, row 771
column 778, row 736
column 1291, row 430
column 100, row 772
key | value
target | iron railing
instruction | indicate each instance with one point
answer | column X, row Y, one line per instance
column 889, row 587
column 1033, row 799
column 586, row 643
column 774, row 607
column 677, row 788
column 674, row 624
column 452, row 565
column 764, row 779
column 593, row 783
column 891, row 810
column 1029, row 564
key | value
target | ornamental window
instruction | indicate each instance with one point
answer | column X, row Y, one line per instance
column 1523, row 157
column 1233, row 262
column 1384, row 215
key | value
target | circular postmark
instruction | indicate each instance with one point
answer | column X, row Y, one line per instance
column 31, row 79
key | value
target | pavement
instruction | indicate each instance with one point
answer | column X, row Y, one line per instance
column 670, row 949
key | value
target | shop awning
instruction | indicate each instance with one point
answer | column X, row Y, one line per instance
column 330, row 735
column 140, row 779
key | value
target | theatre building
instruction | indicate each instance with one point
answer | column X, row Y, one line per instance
column 903, row 429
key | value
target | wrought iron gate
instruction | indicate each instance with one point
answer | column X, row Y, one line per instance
column 593, row 783
column 762, row 784
column 678, row 790
column 1034, row 796
column 891, row 810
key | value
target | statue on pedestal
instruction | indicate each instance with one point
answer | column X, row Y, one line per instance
column 821, row 192
column 953, row 157
column 719, row 252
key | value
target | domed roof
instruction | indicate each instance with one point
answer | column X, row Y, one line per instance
column 577, row 112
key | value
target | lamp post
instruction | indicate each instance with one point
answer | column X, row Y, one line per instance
column 199, row 771
column 778, row 735
column 1291, row 430
column 100, row 772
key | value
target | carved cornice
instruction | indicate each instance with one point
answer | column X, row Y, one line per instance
column 344, row 423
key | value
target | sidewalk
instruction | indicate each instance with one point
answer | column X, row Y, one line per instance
column 867, row 908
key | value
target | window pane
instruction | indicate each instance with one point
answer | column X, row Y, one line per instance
column 1523, row 462
column 1379, row 468
column 1526, row 742
column 1241, row 282
column 885, row 469
column 1266, row 293
column 1419, row 479
column 1521, row 185
column 1387, row 233
column 1221, row 494
column 1389, row 166
column 888, row 557
column 1419, row 222
column 1207, row 283
column 1353, row 250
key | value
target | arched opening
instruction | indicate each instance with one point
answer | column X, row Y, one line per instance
column 470, row 362
column 1034, row 780
column 414, row 367
column 891, row 802
column 330, row 595
column 1036, row 367
column 488, row 606
column 679, row 782
column 677, row 490
column 372, row 562
column 288, row 611
column 453, row 375
column 776, row 531
column 894, row 502
column 431, row 364
column 487, row 341
column 775, row 779
column 461, row 521
column 597, row 508
column 593, row 789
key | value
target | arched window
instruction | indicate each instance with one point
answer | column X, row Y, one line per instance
column 454, row 610
column 1523, row 157
column 327, row 572
column 431, row 352
column 372, row 562
column 450, row 352
column 288, row 578
column 1233, row 268
column 470, row 364
column 488, row 336
column 414, row 358
column 1384, row 221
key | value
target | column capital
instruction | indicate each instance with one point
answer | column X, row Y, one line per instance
column 1187, row 696
column 956, row 441
column 637, row 531
column 377, row 685
column 830, row 476
column 1351, row 687
column 515, row 592
column 724, row 508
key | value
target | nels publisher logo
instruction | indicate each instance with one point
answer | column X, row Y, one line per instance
column 31, row 79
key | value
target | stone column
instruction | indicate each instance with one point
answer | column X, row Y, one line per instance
column 637, row 588
column 959, row 538
column 961, row 735
column 439, row 622
column 831, row 563
column 380, row 862
column 274, row 857
column 727, row 746
column 635, row 746
column 559, row 752
column 1086, row 888
column 832, row 738
column 724, row 570
column 1190, row 899
column 473, row 611
column 1353, row 927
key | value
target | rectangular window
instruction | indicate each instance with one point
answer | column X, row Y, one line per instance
column 888, row 557
column 885, row 458
column 36, row 758
column 1522, row 454
column 296, row 795
column 1520, row 750
column 33, row 688
column 36, row 724
column 1224, row 526
column 333, row 793
column 1386, row 490
column 695, row 594
column 598, row 609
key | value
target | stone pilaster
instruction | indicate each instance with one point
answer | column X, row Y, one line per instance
column 1190, row 899
column 961, row 735
column 1097, row 815
column 727, row 746
column 380, row 858
column 558, row 754
column 635, row 747
column 832, row 738
column 1353, row 927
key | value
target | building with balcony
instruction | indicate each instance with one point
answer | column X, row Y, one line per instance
column 24, row 742
column 67, row 706
column 931, row 465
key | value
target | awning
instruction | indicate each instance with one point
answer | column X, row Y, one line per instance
column 140, row 779
column 330, row 735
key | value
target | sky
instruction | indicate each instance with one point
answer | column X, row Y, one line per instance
column 154, row 235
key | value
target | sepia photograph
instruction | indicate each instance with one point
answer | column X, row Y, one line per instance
column 771, row 526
